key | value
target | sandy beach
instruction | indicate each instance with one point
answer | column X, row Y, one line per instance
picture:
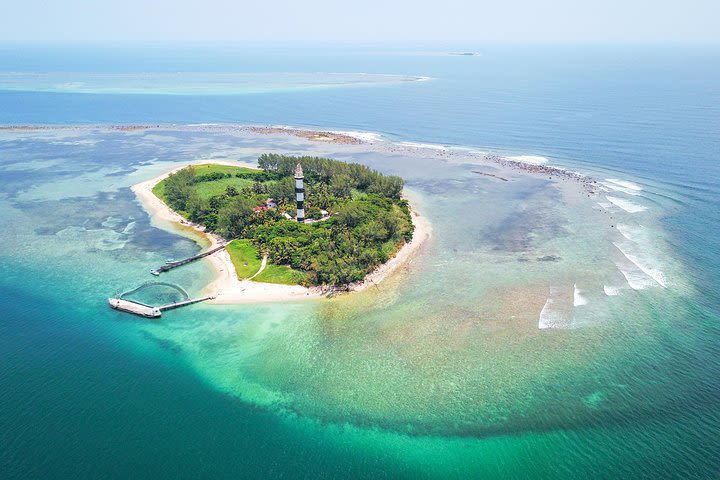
column 226, row 286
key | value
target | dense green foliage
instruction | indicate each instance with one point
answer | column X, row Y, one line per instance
column 367, row 220
column 339, row 177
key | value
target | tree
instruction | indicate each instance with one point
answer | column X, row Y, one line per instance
column 368, row 221
column 313, row 212
column 197, row 208
column 283, row 191
column 235, row 218
column 178, row 187
column 351, row 214
column 318, row 194
column 390, row 187
column 259, row 188
column 341, row 185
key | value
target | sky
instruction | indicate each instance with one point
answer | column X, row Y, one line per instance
column 507, row 21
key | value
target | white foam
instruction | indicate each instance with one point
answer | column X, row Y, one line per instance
column 468, row 150
column 431, row 146
column 549, row 318
column 282, row 126
column 625, row 232
column 635, row 278
column 643, row 264
column 554, row 313
column 625, row 184
column 626, row 205
column 611, row 291
column 531, row 159
column 634, row 234
column 605, row 205
column 369, row 137
column 578, row 298
column 628, row 191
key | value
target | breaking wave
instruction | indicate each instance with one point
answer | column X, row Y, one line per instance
column 622, row 186
column 626, row 205
column 556, row 313
column 531, row 159
column 578, row 298
column 369, row 137
column 643, row 264
column 431, row 146
column 611, row 291
column 625, row 184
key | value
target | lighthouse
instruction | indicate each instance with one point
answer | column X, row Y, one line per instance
column 300, row 193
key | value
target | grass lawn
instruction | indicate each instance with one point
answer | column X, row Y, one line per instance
column 159, row 191
column 214, row 168
column 217, row 187
column 281, row 274
column 244, row 257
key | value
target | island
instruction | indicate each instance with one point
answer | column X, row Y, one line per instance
column 293, row 227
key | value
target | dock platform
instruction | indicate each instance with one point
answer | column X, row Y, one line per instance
column 135, row 308
column 150, row 311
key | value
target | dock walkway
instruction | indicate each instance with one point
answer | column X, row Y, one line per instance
column 149, row 311
column 170, row 265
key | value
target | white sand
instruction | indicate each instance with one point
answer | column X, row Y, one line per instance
column 226, row 286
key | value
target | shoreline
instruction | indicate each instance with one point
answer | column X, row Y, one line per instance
column 227, row 288
column 525, row 163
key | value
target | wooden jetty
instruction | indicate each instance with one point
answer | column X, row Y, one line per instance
column 149, row 311
column 178, row 263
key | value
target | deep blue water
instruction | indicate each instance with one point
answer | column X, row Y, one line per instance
column 76, row 403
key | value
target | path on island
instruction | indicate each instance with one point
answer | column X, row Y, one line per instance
column 262, row 267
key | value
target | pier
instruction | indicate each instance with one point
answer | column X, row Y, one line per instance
column 178, row 263
column 149, row 311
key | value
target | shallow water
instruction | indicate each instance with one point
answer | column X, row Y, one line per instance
column 187, row 83
column 540, row 332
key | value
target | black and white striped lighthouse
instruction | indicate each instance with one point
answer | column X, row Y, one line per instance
column 300, row 193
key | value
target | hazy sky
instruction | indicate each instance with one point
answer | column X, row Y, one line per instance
column 367, row 21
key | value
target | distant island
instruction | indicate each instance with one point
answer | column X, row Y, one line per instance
column 307, row 221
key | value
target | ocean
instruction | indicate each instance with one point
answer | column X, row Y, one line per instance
column 441, row 374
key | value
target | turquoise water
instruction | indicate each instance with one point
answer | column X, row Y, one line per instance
column 444, row 372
